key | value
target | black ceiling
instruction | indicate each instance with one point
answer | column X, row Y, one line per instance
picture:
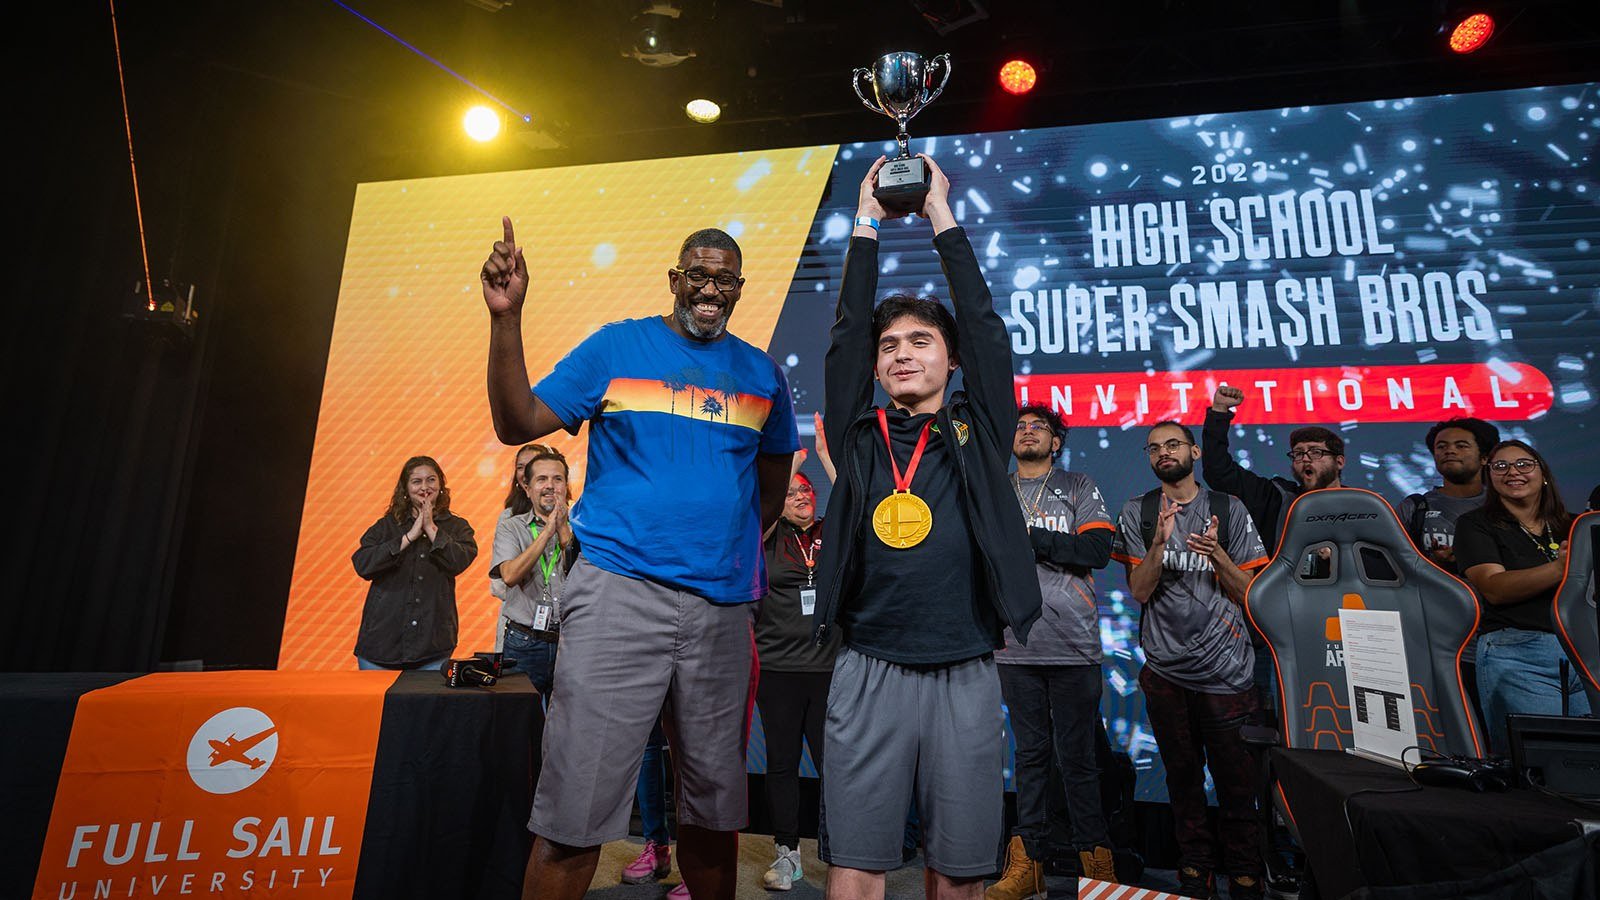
column 782, row 72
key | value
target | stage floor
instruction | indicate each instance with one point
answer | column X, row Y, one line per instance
column 755, row 854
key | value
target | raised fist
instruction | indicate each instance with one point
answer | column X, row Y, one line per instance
column 1226, row 397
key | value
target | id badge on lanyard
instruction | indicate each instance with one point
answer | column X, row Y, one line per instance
column 808, row 594
column 544, row 608
column 543, row 616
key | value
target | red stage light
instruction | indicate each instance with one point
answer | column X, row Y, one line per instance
column 1018, row 77
column 1472, row 33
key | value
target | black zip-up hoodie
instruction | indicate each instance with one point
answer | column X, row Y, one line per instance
column 978, row 424
column 1266, row 499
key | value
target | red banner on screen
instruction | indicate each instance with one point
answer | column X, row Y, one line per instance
column 1505, row 392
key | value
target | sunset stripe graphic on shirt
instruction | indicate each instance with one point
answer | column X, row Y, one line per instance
column 691, row 401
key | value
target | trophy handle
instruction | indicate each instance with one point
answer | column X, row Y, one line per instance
column 943, row 62
column 855, row 82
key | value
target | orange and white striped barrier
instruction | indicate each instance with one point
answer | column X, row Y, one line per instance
column 1105, row 890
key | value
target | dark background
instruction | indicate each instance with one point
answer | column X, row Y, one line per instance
column 158, row 490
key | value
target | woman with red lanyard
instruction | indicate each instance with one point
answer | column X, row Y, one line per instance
column 793, row 691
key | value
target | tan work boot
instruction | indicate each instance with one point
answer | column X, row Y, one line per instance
column 1097, row 864
column 1023, row 878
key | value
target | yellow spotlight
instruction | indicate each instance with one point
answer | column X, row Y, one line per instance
column 482, row 123
column 703, row 111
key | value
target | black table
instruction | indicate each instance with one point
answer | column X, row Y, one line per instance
column 452, row 783
column 1367, row 827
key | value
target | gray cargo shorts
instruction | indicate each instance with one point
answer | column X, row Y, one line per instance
column 632, row 650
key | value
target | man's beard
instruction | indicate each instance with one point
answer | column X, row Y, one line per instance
column 684, row 311
column 546, row 507
column 1177, row 473
column 1036, row 454
column 1319, row 480
column 1461, row 475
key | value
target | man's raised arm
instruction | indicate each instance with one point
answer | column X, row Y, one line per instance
column 985, row 347
column 1219, row 469
column 518, row 415
column 847, row 368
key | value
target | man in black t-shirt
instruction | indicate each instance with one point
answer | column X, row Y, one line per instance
column 925, row 560
column 1460, row 449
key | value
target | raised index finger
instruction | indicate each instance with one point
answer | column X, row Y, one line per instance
column 510, row 237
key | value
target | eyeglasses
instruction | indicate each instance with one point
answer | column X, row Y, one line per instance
column 1314, row 454
column 1501, row 466
column 1026, row 427
column 1172, row 446
column 697, row 278
column 801, row 491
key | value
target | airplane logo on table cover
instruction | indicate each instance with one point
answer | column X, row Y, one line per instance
column 221, row 761
column 235, row 750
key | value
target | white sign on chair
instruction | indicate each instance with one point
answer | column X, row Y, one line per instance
column 1382, row 725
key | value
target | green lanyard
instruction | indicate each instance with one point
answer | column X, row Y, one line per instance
column 547, row 560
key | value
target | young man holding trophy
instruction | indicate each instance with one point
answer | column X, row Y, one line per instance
column 925, row 560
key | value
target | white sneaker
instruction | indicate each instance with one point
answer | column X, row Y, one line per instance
column 781, row 875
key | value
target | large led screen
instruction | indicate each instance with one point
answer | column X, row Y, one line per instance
column 1374, row 267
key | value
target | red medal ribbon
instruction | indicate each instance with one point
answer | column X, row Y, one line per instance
column 903, row 485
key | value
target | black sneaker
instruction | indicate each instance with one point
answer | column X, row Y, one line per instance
column 1245, row 887
column 1193, row 882
column 907, row 854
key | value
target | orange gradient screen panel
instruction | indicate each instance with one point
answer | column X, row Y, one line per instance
column 406, row 368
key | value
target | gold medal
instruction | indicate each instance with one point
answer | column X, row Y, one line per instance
column 902, row 520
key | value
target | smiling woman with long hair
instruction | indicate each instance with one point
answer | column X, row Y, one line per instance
column 412, row 556
column 1514, row 551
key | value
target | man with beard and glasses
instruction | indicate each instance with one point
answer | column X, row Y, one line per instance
column 1460, row 449
column 1316, row 457
column 1052, row 686
column 531, row 553
column 691, row 436
column 1180, row 544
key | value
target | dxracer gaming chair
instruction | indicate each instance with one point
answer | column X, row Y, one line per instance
column 1573, row 613
column 1344, row 548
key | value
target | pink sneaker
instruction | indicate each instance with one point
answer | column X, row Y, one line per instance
column 653, row 864
column 681, row 892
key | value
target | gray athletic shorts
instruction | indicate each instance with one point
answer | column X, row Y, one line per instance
column 895, row 733
column 628, row 647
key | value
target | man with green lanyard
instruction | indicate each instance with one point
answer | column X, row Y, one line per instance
column 532, row 552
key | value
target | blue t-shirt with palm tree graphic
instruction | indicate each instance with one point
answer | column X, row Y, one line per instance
column 670, row 491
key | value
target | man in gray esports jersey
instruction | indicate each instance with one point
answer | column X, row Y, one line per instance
column 1052, row 686
column 1180, row 545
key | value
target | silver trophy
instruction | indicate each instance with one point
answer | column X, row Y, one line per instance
column 902, row 84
